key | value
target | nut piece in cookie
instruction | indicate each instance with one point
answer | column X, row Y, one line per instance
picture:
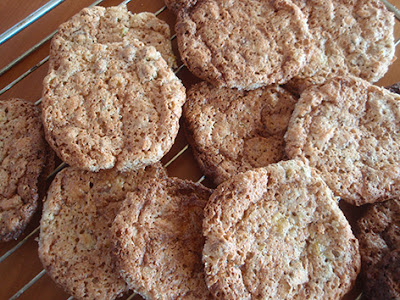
column 74, row 242
column 244, row 44
column 233, row 131
column 349, row 130
column 278, row 233
column 352, row 37
column 158, row 239
column 378, row 232
column 24, row 154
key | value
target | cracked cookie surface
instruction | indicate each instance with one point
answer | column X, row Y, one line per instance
column 116, row 24
column 110, row 105
column 243, row 44
column 352, row 37
column 233, row 131
column 74, row 241
column 348, row 129
column 278, row 233
column 158, row 239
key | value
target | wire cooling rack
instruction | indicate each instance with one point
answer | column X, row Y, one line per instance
column 26, row 28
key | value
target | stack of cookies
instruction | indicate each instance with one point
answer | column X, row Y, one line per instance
column 110, row 98
column 111, row 108
column 288, row 92
column 286, row 123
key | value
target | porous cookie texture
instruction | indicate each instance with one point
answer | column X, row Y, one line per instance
column 378, row 231
column 349, row 130
column 159, row 242
column 232, row 131
column 352, row 37
column 23, row 157
column 74, row 243
column 115, row 24
column 110, row 105
column 278, row 233
column 243, row 44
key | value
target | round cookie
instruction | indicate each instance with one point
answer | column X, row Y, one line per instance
column 278, row 233
column 243, row 44
column 158, row 240
column 111, row 105
column 232, row 131
column 348, row 129
column 24, row 154
column 378, row 233
column 114, row 24
column 352, row 37
column 74, row 242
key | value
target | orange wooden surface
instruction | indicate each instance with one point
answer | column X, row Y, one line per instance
column 23, row 265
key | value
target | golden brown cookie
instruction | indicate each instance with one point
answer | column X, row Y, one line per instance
column 24, row 154
column 244, row 44
column 74, row 243
column 233, row 131
column 111, row 105
column 158, row 239
column 348, row 129
column 278, row 233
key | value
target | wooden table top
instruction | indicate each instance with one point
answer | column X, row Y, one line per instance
column 20, row 267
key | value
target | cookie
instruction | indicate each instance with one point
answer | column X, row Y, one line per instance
column 348, row 129
column 114, row 24
column 233, row 131
column 111, row 105
column 352, row 37
column 159, row 240
column 24, row 154
column 243, row 44
column 74, row 242
column 278, row 233
column 378, row 232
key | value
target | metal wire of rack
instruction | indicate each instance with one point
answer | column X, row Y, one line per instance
column 33, row 17
column 28, row 20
